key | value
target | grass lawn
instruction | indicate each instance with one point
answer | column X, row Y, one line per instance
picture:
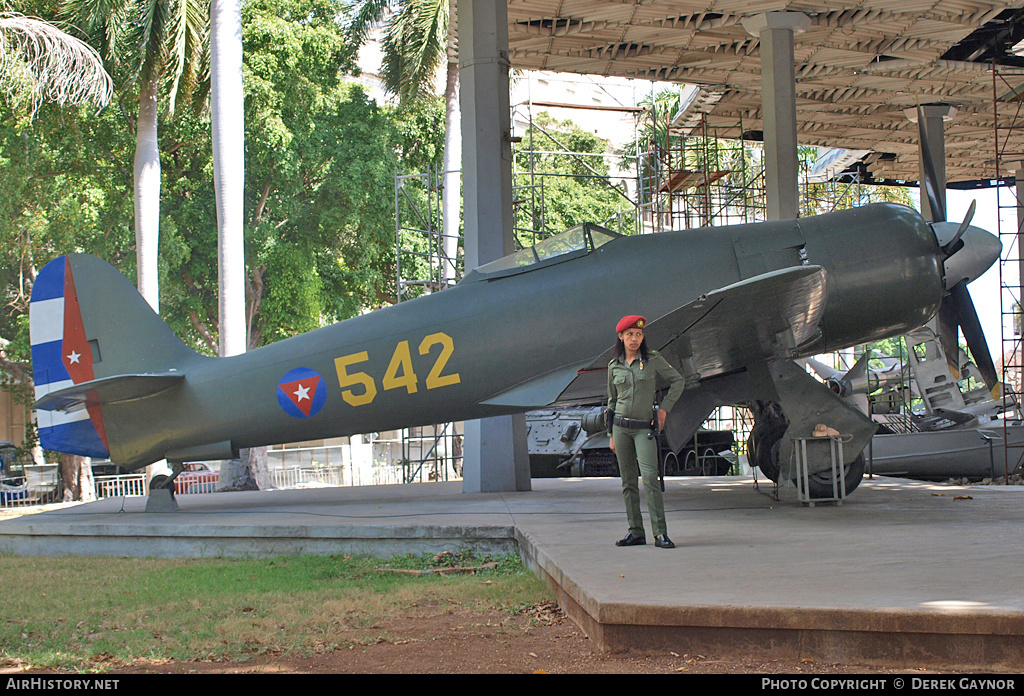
column 79, row 613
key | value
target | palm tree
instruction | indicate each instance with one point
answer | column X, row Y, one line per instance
column 40, row 62
column 420, row 34
column 160, row 40
column 228, row 123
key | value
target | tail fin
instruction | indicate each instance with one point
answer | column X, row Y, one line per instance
column 95, row 341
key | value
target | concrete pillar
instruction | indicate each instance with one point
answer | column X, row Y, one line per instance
column 934, row 116
column 778, row 107
column 495, row 457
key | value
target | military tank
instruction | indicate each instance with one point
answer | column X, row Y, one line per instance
column 573, row 441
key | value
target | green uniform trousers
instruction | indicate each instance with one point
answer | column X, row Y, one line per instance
column 637, row 456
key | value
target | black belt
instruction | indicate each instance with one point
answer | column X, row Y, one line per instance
column 631, row 423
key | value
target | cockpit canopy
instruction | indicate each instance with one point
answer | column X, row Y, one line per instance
column 574, row 242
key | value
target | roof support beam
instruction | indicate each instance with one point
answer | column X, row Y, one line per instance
column 778, row 108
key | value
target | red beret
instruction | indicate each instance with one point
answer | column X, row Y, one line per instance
column 629, row 322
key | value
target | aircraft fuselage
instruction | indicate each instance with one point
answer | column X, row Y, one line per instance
column 438, row 358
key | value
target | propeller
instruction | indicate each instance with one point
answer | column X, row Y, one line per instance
column 957, row 243
column 957, row 312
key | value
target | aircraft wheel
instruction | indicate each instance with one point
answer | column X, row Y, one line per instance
column 162, row 481
column 819, row 485
column 763, row 449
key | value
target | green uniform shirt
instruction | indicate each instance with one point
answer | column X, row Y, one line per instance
column 631, row 387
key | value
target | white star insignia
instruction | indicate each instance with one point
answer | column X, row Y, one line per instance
column 73, row 358
column 302, row 393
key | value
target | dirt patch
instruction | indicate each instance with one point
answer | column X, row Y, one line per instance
column 541, row 640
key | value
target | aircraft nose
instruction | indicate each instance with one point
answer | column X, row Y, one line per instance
column 980, row 250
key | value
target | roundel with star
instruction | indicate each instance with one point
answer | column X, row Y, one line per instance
column 301, row 392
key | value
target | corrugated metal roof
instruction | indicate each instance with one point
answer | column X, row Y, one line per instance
column 858, row 66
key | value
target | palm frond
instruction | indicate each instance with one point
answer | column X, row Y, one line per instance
column 49, row 64
column 415, row 45
column 189, row 39
column 368, row 14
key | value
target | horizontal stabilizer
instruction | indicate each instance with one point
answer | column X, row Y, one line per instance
column 107, row 391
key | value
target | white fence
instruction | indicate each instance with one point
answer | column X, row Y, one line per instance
column 300, row 467
column 125, row 484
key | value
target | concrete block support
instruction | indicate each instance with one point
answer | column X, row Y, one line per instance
column 495, row 456
column 778, row 107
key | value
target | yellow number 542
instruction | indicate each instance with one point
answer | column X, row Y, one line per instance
column 399, row 373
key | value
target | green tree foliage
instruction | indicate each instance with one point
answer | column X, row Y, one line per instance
column 66, row 179
column 40, row 62
column 321, row 159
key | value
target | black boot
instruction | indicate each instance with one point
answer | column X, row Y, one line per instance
column 631, row 540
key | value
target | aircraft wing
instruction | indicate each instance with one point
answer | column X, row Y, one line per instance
column 768, row 316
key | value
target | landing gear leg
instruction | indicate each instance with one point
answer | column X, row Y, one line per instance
column 770, row 425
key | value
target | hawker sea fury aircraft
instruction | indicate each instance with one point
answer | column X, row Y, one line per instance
column 730, row 307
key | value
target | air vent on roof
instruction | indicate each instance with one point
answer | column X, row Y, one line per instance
column 623, row 49
column 553, row 24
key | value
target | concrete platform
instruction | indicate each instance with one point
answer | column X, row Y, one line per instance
column 902, row 572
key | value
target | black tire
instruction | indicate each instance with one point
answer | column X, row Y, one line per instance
column 690, row 463
column 763, row 449
column 819, row 485
column 709, row 462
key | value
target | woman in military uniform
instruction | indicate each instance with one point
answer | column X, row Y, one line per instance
column 632, row 379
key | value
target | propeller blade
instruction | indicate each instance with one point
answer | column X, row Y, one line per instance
column 975, row 337
column 954, row 245
column 948, row 329
column 932, row 190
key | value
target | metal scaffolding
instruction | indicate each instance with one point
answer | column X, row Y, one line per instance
column 425, row 263
column 1011, row 260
